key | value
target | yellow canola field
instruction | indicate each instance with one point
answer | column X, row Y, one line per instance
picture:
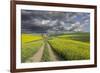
column 30, row 37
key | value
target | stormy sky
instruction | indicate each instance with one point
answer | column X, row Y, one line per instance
column 36, row 21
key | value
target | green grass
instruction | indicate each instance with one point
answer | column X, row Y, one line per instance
column 70, row 49
column 83, row 37
column 29, row 49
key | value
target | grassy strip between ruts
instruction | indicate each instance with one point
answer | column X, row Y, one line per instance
column 46, row 56
column 70, row 49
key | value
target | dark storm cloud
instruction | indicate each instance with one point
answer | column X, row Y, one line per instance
column 51, row 21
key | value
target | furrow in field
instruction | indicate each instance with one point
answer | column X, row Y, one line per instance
column 52, row 54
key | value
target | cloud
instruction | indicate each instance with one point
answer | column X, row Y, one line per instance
column 52, row 21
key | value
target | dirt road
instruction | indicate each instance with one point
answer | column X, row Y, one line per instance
column 37, row 57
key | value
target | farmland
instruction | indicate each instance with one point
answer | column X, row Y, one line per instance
column 28, row 49
column 70, row 50
column 83, row 37
column 30, row 37
column 71, row 46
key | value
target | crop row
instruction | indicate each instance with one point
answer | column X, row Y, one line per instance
column 70, row 49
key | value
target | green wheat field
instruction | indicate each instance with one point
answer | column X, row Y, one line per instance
column 60, row 47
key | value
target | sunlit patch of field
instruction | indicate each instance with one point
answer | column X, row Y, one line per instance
column 30, row 37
